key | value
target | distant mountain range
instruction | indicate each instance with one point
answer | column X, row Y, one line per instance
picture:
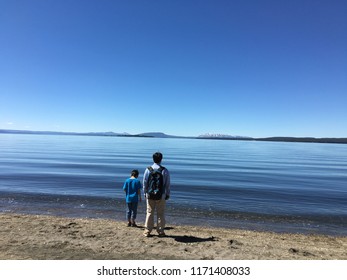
column 163, row 135
column 62, row 133
column 157, row 135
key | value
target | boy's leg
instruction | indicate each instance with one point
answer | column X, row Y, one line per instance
column 134, row 213
column 128, row 213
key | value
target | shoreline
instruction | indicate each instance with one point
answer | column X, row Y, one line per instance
column 43, row 237
column 79, row 206
column 160, row 135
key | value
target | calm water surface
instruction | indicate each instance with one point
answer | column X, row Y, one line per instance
column 290, row 187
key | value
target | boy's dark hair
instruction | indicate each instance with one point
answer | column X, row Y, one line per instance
column 135, row 173
column 157, row 157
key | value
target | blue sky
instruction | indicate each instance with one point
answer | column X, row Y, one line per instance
column 182, row 67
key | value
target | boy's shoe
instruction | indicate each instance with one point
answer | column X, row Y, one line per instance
column 162, row 234
column 134, row 224
column 129, row 224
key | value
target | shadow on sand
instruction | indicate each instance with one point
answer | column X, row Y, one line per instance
column 192, row 239
column 188, row 238
column 182, row 239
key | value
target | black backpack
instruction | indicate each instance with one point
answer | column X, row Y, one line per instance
column 155, row 183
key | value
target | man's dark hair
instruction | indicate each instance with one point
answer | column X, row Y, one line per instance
column 157, row 157
column 135, row 173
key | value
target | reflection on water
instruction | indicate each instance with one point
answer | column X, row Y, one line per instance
column 250, row 184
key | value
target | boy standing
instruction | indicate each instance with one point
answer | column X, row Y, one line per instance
column 132, row 189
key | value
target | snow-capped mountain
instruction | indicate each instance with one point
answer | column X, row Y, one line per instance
column 218, row 135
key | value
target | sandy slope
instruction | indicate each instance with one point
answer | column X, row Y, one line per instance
column 47, row 237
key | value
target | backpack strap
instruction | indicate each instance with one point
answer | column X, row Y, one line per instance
column 150, row 168
column 161, row 168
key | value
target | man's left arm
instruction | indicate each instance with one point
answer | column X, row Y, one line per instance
column 167, row 184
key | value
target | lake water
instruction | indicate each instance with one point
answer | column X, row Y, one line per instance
column 283, row 187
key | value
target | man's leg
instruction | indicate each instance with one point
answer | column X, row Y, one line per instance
column 149, row 216
column 161, row 216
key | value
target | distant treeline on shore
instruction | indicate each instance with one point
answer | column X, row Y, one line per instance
column 162, row 135
column 286, row 139
column 305, row 139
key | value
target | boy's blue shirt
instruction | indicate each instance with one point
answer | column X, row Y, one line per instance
column 131, row 187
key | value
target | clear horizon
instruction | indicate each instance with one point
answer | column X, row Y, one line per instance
column 244, row 68
column 125, row 133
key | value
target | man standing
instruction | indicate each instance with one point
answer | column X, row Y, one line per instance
column 156, row 187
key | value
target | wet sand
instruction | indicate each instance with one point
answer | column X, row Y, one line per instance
column 55, row 238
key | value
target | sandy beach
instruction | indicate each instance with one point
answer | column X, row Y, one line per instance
column 56, row 238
